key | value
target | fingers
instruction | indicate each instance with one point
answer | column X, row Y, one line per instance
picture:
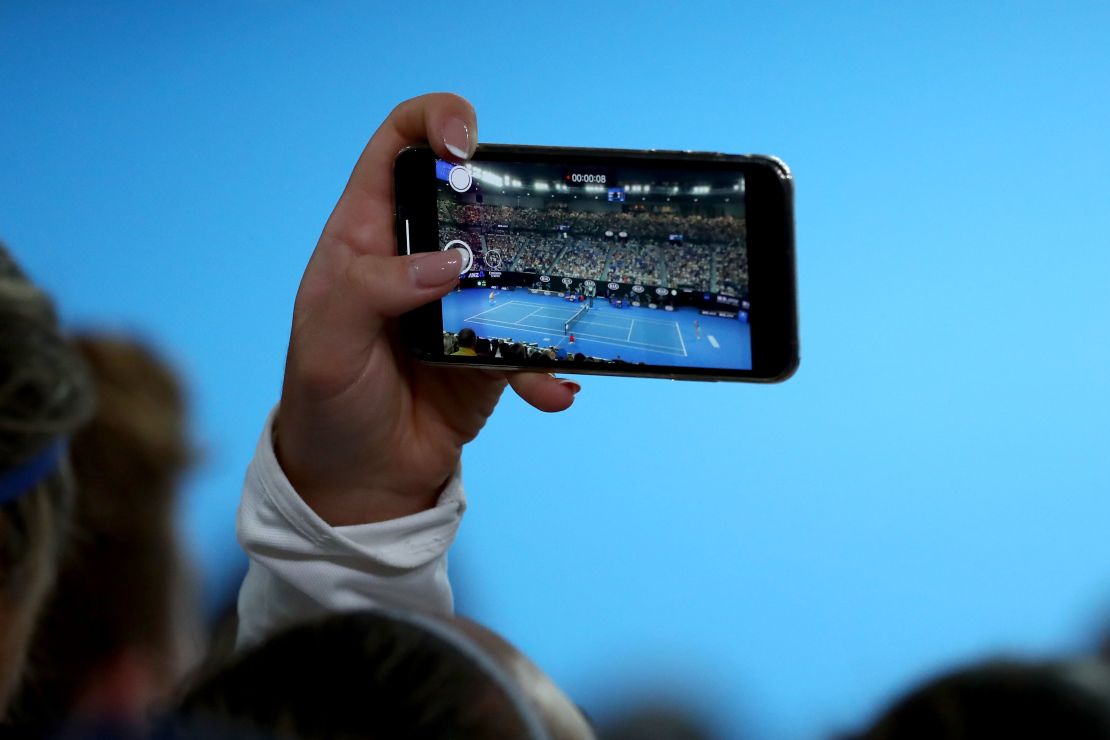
column 545, row 392
column 447, row 122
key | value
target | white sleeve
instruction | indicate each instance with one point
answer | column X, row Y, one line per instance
column 301, row 567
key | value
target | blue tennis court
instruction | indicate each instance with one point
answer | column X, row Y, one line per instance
column 683, row 337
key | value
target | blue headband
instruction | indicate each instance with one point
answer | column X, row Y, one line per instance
column 22, row 478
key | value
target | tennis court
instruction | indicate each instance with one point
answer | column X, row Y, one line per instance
column 682, row 337
column 618, row 330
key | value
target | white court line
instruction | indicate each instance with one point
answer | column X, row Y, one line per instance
column 591, row 322
column 651, row 321
column 680, row 340
column 714, row 342
column 533, row 327
column 491, row 310
column 630, row 329
column 600, row 325
column 506, row 305
column 637, row 345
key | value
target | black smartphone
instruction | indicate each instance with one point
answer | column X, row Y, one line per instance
column 619, row 262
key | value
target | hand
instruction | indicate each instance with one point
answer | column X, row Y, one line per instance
column 365, row 433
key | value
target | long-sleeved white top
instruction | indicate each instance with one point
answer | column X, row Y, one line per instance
column 301, row 567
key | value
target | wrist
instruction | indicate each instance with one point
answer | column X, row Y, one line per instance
column 342, row 503
column 347, row 507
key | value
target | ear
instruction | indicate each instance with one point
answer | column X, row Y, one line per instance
column 122, row 690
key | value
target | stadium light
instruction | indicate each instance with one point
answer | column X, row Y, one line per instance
column 541, row 187
column 487, row 177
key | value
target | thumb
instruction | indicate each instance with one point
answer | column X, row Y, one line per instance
column 348, row 312
column 377, row 288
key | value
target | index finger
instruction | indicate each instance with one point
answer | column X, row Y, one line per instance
column 363, row 217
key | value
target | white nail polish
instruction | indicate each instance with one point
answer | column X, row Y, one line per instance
column 456, row 151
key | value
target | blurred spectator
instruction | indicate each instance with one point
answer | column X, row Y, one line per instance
column 467, row 340
column 659, row 720
column 384, row 674
column 121, row 627
column 1004, row 699
column 44, row 397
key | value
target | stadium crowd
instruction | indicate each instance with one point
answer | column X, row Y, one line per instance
column 732, row 271
column 583, row 258
column 541, row 255
column 559, row 241
column 467, row 343
column 633, row 262
column 643, row 224
column 690, row 265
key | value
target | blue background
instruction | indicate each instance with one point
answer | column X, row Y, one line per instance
column 930, row 488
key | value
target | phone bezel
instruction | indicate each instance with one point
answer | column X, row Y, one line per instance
column 769, row 214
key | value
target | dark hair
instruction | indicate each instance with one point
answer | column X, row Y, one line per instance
column 483, row 348
column 356, row 675
column 467, row 338
column 45, row 395
column 1001, row 699
column 116, row 584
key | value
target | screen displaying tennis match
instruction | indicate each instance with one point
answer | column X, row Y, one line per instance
column 611, row 264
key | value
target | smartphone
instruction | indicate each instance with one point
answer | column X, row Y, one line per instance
column 605, row 261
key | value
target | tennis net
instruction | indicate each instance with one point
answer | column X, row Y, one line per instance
column 574, row 319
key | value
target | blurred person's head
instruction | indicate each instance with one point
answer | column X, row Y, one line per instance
column 386, row 674
column 1004, row 699
column 109, row 641
column 660, row 718
column 467, row 338
column 45, row 395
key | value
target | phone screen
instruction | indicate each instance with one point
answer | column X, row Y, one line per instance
column 625, row 263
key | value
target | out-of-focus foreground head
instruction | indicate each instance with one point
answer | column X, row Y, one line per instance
column 113, row 636
column 45, row 395
column 1004, row 699
column 384, row 674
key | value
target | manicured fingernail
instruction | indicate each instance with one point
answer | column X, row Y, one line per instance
column 574, row 387
column 456, row 137
column 437, row 268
